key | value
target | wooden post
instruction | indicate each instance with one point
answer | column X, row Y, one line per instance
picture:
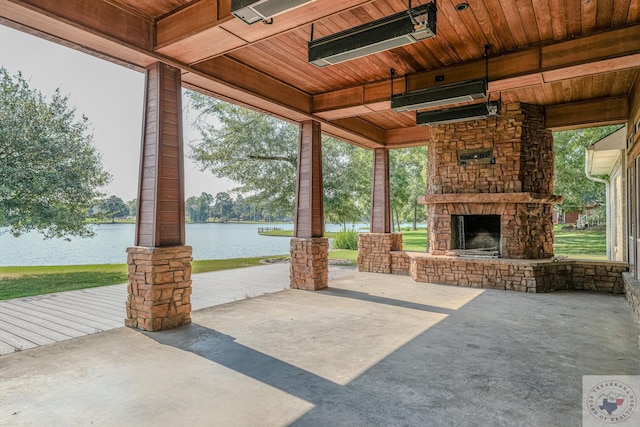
column 309, row 248
column 381, row 193
column 374, row 248
column 159, row 285
column 309, row 214
column 161, row 220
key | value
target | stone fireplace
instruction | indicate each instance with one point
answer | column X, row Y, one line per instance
column 490, row 185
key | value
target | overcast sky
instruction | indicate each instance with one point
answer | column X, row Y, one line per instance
column 110, row 95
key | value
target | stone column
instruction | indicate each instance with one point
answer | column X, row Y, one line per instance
column 309, row 248
column 374, row 249
column 159, row 287
column 160, row 264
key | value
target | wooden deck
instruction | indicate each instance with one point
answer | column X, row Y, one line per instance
column 45, row 319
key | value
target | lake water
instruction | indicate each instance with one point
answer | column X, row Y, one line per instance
column 209, row 241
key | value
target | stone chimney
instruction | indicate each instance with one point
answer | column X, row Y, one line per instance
column 490, row 182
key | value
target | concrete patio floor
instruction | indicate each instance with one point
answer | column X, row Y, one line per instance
column 373, row 350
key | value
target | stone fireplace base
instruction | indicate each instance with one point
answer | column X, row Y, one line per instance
column 533, row 276
column 379, row 253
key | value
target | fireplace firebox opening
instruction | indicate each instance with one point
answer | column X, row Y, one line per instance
column 476, row 232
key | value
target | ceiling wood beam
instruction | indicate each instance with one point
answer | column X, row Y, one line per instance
column 186, row 34
column 252, row 81
column 370, row 136
column 535, row 66
column 576, row 115
column 97, row 18
column 41, row 23
column 610, row 44
column 408, row 137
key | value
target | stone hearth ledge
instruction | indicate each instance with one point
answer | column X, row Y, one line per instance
column 524, row 275
column 433, row 199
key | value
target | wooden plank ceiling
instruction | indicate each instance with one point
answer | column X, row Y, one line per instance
column 546, row 52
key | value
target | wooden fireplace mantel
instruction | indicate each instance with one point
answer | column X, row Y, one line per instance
column 490, row 198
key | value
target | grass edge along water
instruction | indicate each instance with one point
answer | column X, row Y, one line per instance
column 18, row 281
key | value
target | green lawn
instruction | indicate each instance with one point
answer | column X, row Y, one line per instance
column 572, row 243
column 18, row 282
column 583, row 244
column 278, row 233
column 345, row 254
column 414, row 240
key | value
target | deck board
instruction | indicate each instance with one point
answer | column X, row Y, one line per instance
column 18, row 330
column 18, row 343
column 105, row 306
column 32, row 326
column 77, row 318
column 6, row 348
column 78, row 311
column 53, row 316
column 57, row 324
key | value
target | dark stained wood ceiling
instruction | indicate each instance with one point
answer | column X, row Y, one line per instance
column 546, row 52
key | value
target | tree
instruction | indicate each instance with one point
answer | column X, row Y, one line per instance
column 198, row 209
column 570, row 180
column 255, row 150
column 346, row 170
column 223, row 207
column 240, row 208
column 50, row 172
column 113, row 207
column 260, row 153
column 408, row 175
column 133, row 207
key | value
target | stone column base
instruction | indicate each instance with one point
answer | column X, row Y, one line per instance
column 309, row 269
column 159, row 287
column 374, row 251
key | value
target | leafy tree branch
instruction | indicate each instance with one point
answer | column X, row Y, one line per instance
column 50, row 172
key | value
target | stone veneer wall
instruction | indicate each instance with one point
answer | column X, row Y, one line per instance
column 632, row 292
column 374, row 251
column 519, row 275
column 534, row 276
column 522, row 147
column 309, row 266
column 524, row 162
column 400, row 263
column 159, row 287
